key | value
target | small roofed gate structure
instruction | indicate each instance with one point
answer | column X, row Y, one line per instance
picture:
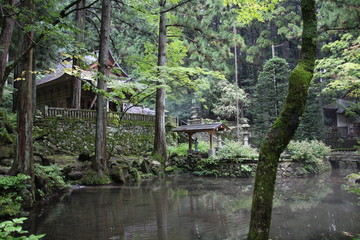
column 211, row 128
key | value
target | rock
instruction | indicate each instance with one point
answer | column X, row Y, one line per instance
column 357, row 180
column 4, row 170
column 47, row 161
column 119, row 174
column 6, row 162
column 169, row 169
column 299, row 172
column 38, row 159
column 6, row 151
column 155, row 166
column 84, row 156
column 28, row 201
column 76, row 175
column 154, row 162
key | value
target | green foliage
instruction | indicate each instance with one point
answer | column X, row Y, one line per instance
column 12, row 230
column 11, row 188
column 231, row 95
column 312, row 151
column 312, row 124
column 182, row 149
column 251, row 9
column 7, row 98
column 13, row 182
column 352, row 186
column 341, row 67
column 49, row 180
column 270, row 93
column 235, row 150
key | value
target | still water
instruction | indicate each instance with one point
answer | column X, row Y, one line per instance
column 185, row 208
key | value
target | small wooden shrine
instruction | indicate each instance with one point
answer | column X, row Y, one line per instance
column 211, row 128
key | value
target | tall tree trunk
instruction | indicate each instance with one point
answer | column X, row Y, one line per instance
column 284, row 128
column 160, row 135
column 24, row 148
column 100, row 138
column 80, row 23
column 5, row 40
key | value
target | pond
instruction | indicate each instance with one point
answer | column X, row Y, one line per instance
column 186, row 207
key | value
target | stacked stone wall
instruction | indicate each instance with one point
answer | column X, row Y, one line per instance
column 75, row 135
column 345, row 159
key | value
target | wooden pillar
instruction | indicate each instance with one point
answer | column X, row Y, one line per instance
column 211, row 150
column 190, row 140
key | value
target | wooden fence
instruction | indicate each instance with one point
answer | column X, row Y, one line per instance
column 91, row 114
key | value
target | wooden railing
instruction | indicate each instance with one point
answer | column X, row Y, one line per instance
column 91, row 114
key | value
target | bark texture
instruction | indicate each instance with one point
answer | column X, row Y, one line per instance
column 160, row 134
column 24, row 148
column 80, row 24
column 284, row 127
column 5, row 40
column 100, row 138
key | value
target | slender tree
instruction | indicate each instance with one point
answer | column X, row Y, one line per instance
column 24, row 147
column 7, row 28
column 160, row 135
column 100, row 138
column 284, row 128
column 80, row 23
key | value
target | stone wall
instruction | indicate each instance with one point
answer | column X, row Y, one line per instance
column 75, row 135
column 242, row 167
column 345, row 159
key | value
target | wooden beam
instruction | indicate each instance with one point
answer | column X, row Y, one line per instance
column 190, row 140
column 211, row 140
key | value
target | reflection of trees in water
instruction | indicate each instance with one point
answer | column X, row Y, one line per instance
column 223, row 204
column 195, row 208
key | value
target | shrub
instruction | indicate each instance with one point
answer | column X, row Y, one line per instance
column 183, row 148
column 10, row 228
column 49, row 180
column 11, row 188
column 233, row 149
column 308, row 151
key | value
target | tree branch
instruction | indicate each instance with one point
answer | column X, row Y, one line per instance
column 175, row 6
column 62, row 15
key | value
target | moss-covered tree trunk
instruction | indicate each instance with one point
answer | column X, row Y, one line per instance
column 283, row 130
column 100, row 138
column 160, row 136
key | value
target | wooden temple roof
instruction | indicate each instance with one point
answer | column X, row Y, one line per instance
column 201, row 128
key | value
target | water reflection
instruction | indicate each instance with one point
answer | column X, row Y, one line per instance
column 184, row 207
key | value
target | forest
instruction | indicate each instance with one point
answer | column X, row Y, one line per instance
column 284, row 69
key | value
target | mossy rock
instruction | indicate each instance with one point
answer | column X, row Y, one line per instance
column 169, row 169
column 156, row 167
column 93, row 178
column 353, row 178
column 6, row 151
column 120, row 174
